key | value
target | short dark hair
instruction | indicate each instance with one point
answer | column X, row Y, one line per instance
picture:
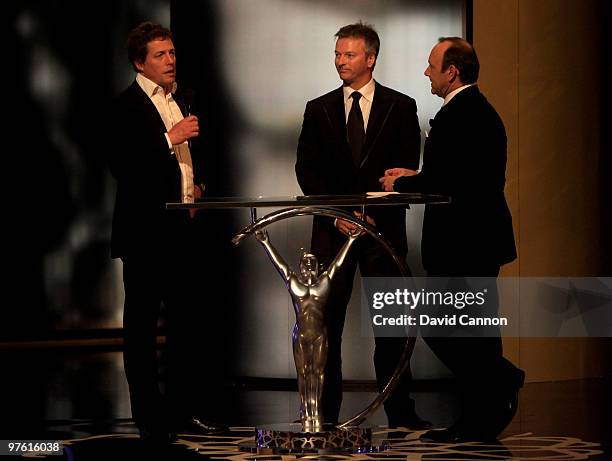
column 140, row 36
column 462, row 55
column 361, row 30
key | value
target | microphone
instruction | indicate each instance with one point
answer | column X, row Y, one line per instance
column 188, row 98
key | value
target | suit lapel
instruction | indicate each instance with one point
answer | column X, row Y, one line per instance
column 381, row 108
column 336, row 117
column 148, row 106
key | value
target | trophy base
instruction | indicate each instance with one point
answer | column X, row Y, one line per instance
column 290, row 439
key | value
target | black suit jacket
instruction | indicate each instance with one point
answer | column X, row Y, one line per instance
column 147, row 174
column 325, row 164
column 465, row 157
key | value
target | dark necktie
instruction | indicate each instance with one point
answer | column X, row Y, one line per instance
column 355, row 131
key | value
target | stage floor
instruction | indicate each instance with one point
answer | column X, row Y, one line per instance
column 82, row 399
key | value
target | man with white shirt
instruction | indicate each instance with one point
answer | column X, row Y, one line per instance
column 465, row 157
column 349, row 137
column 153, row 163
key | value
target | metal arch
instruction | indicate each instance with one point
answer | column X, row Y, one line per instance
column 280, row 215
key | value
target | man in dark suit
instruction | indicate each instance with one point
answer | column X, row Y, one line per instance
column 153, row 163
column 465, row 157
column 349, row 137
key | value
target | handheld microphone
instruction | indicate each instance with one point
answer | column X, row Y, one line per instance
column 188, row 98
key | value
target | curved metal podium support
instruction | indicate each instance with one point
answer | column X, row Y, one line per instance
column 346, row 437
column 280, row 215
column 330, row 212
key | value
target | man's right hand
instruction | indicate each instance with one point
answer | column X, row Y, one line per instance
column 185, row 129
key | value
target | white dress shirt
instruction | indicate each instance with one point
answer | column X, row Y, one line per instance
column 454, row 93
column 171, row 114
column 365, row 102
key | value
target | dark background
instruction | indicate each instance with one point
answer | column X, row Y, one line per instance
column 68, row 61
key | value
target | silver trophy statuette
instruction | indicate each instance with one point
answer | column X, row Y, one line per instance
column 309, row 291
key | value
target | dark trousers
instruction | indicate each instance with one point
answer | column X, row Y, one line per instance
column 373, row 261
column 481, row 370
column 150, row 281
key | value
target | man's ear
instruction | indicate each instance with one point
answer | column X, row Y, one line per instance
column 371, row 60
column 139, row 65
column 453, row 73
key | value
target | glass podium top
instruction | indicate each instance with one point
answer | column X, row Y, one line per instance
column 370, row 198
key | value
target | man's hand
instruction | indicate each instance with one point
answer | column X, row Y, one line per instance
column 400, row 172
column 197, row 193
column 185, row 129
column 392, row 174
column 348, row 228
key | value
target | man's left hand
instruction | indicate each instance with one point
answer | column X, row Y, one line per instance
column 387, row 183
column 392, row 174
column 197, row 193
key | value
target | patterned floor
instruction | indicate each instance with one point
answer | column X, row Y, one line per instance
column 400, row 445
column 82, row 399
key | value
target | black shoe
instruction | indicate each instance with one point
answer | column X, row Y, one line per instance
column 484, row 421
column 503, row 410
column 501, row 407
column 481, row 426
column 203, row 427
